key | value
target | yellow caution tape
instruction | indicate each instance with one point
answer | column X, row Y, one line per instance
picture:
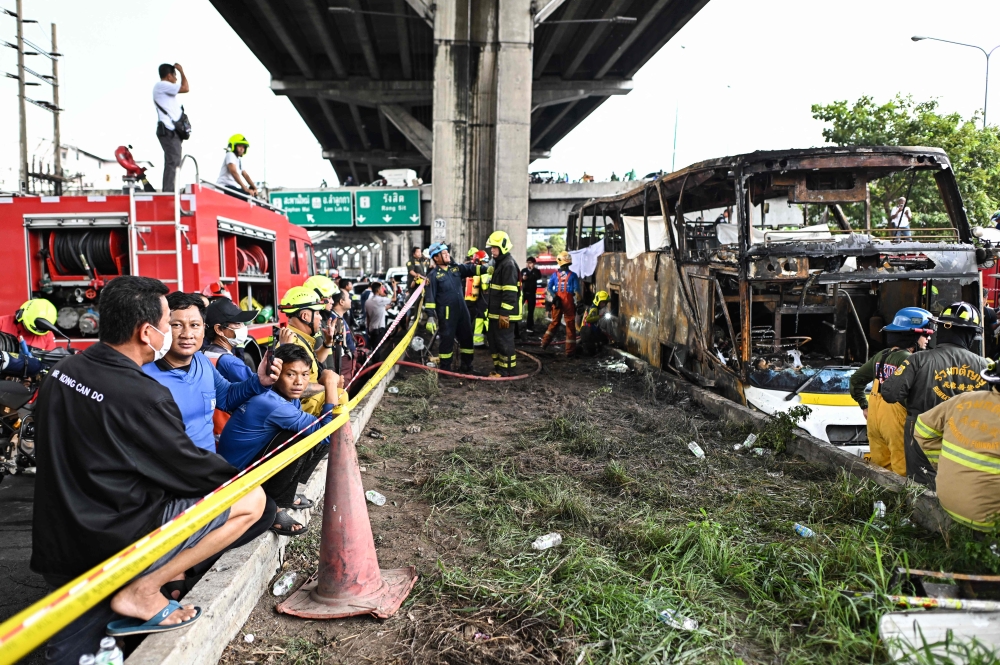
column 29, row 628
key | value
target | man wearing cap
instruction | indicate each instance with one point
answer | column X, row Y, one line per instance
column 227, row 334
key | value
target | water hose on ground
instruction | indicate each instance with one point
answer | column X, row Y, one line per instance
column 458, row 375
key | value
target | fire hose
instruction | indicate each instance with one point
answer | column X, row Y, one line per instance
column 459, row 375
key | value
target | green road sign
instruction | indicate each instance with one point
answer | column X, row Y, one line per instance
column 315, row 208
column 387, row 207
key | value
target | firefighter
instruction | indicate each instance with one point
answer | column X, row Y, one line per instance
column 25, row 322
column 564, row 290
column 444, row 300
column 908, row 333
column 592, row 337
column 961, row 436
column 302, row 306
column 474, row 297
column 503, row 304
column 324, row 288
column 926, row 379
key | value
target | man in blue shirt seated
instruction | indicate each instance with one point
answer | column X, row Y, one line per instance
column 195, row 385
column 270, row 419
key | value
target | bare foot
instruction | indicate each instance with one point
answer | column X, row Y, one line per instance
column 140, row 602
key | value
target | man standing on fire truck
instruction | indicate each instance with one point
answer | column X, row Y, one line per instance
column 169, row 110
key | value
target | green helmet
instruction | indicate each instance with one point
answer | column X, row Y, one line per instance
column 238, row 139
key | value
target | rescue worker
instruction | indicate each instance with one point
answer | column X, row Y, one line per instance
column 563, row 289
column 592, row 337
column 503, row 304
column 25, row 323
column 926, row 379
column 324, row 288
column 908, row 333
column 961, row 436
column 481, row 324
column 475, row 297
column 444, row 300
column 302, row 306
column 232, row 174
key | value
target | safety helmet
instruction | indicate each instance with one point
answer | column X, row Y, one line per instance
column 960, row 315
column 991, row 374
column 250, row 306
column 911, row 319
column 472, row 252
column 322, row 285
column 995, row 218
column 501, row 241
column 238, row 139
column 34, row 309
column 216, row 290
column 480, row 256
column 564, row 259
column 299, row 298
column 602, row 296
column 436, row 249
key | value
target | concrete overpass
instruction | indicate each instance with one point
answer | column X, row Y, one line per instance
column 466, row 92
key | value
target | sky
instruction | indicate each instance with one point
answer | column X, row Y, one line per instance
column 740, row 76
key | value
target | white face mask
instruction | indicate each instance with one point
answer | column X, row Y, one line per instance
column 242, row 335
column 168, row 339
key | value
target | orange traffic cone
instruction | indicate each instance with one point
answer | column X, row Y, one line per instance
column 349, row 581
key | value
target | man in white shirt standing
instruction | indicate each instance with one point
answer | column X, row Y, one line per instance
column 232, row 168
column 168, row 109
column 899, row 219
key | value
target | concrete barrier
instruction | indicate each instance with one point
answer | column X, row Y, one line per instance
column 927, row 510
column 228, row 592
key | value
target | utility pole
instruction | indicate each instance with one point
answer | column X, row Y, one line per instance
column 20, row 97
column 56, row 139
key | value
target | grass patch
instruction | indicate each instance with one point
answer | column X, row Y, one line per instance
column 419, row 384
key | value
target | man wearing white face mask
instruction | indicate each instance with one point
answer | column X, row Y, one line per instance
column 227, row 334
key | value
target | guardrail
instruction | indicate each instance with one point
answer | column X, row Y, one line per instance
column 32, row 626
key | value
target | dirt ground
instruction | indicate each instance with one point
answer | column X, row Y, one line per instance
column 601, row 457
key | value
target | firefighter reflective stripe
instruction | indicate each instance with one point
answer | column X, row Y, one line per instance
column 512, row 317
column 507, row 287
column 972, row 524
column 445, row 356
column 466, row 350
column 447, row 312
column 926, row 431
column 504, row 305
column 933, row 456
column 969, row 459
column 430, row 305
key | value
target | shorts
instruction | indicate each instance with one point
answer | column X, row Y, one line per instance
column 174, row 508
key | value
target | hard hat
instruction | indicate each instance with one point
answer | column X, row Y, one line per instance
column 911, row 319
column 436, row 249
column 991, row 374
column 238, row 139
column 34, row 309
column 248, row 306
column 472, row 252
column 480, row 256
column 501, row 241
column 216, row 290
column 602, row 296
column 564, row 259
column 322, row 285
column 298, row 298
column 960, row 315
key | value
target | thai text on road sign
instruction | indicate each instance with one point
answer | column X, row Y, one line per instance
column 315, row 208
column 387, row 207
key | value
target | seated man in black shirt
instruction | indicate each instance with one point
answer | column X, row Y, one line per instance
column 114, row 463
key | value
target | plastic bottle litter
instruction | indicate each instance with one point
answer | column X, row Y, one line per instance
column 880, row 509
column 86, row 659
column 284, row 583
column 248, row 638
column 546, row 541
column 675, row 620
column 393, row 390
column 804, row 531
column 776, row 474
column 759, row 452
column 696, row 449
column 413, row 429
column 750, row 440
column 375, row 497
column 109, row 654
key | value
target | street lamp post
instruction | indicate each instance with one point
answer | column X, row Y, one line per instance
column 986, row 95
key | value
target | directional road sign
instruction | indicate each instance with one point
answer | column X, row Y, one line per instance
column 387, row 207
column 314, row 209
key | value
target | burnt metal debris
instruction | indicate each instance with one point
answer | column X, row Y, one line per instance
column 777, row 270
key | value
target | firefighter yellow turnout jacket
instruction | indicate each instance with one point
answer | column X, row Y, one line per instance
column 962, row 436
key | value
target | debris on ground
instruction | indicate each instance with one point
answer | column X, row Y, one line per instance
column 375, row 497
column 546, row 541
column 375, row 434
column 696, row 449
column 393, row 390
column 674, row 620
column 803, row 531
column 413, row 429
column 284, row 583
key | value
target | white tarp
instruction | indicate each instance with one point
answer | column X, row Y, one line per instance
column 585, row 260
column 729, row 234
column 635, row 236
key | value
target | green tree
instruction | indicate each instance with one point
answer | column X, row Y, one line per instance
column 557, row 240
column 974, row 153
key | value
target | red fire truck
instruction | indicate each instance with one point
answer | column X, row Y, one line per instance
column 66, row 248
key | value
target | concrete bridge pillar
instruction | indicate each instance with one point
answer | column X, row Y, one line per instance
column 482, row 115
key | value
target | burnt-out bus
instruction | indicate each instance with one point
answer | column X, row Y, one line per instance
column 768, row 277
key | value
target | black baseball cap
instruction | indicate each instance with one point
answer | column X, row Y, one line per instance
column 223, row 311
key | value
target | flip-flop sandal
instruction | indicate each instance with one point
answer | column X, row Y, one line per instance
column 283, row 525
column 123, row 627
column 303, row 502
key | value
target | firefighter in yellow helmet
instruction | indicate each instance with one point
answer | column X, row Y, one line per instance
column 25, row 323
column 592, row 336
column 232, row 175
column 961, row 436
column 503, row 304
column 304, row 308
column 564, row 290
